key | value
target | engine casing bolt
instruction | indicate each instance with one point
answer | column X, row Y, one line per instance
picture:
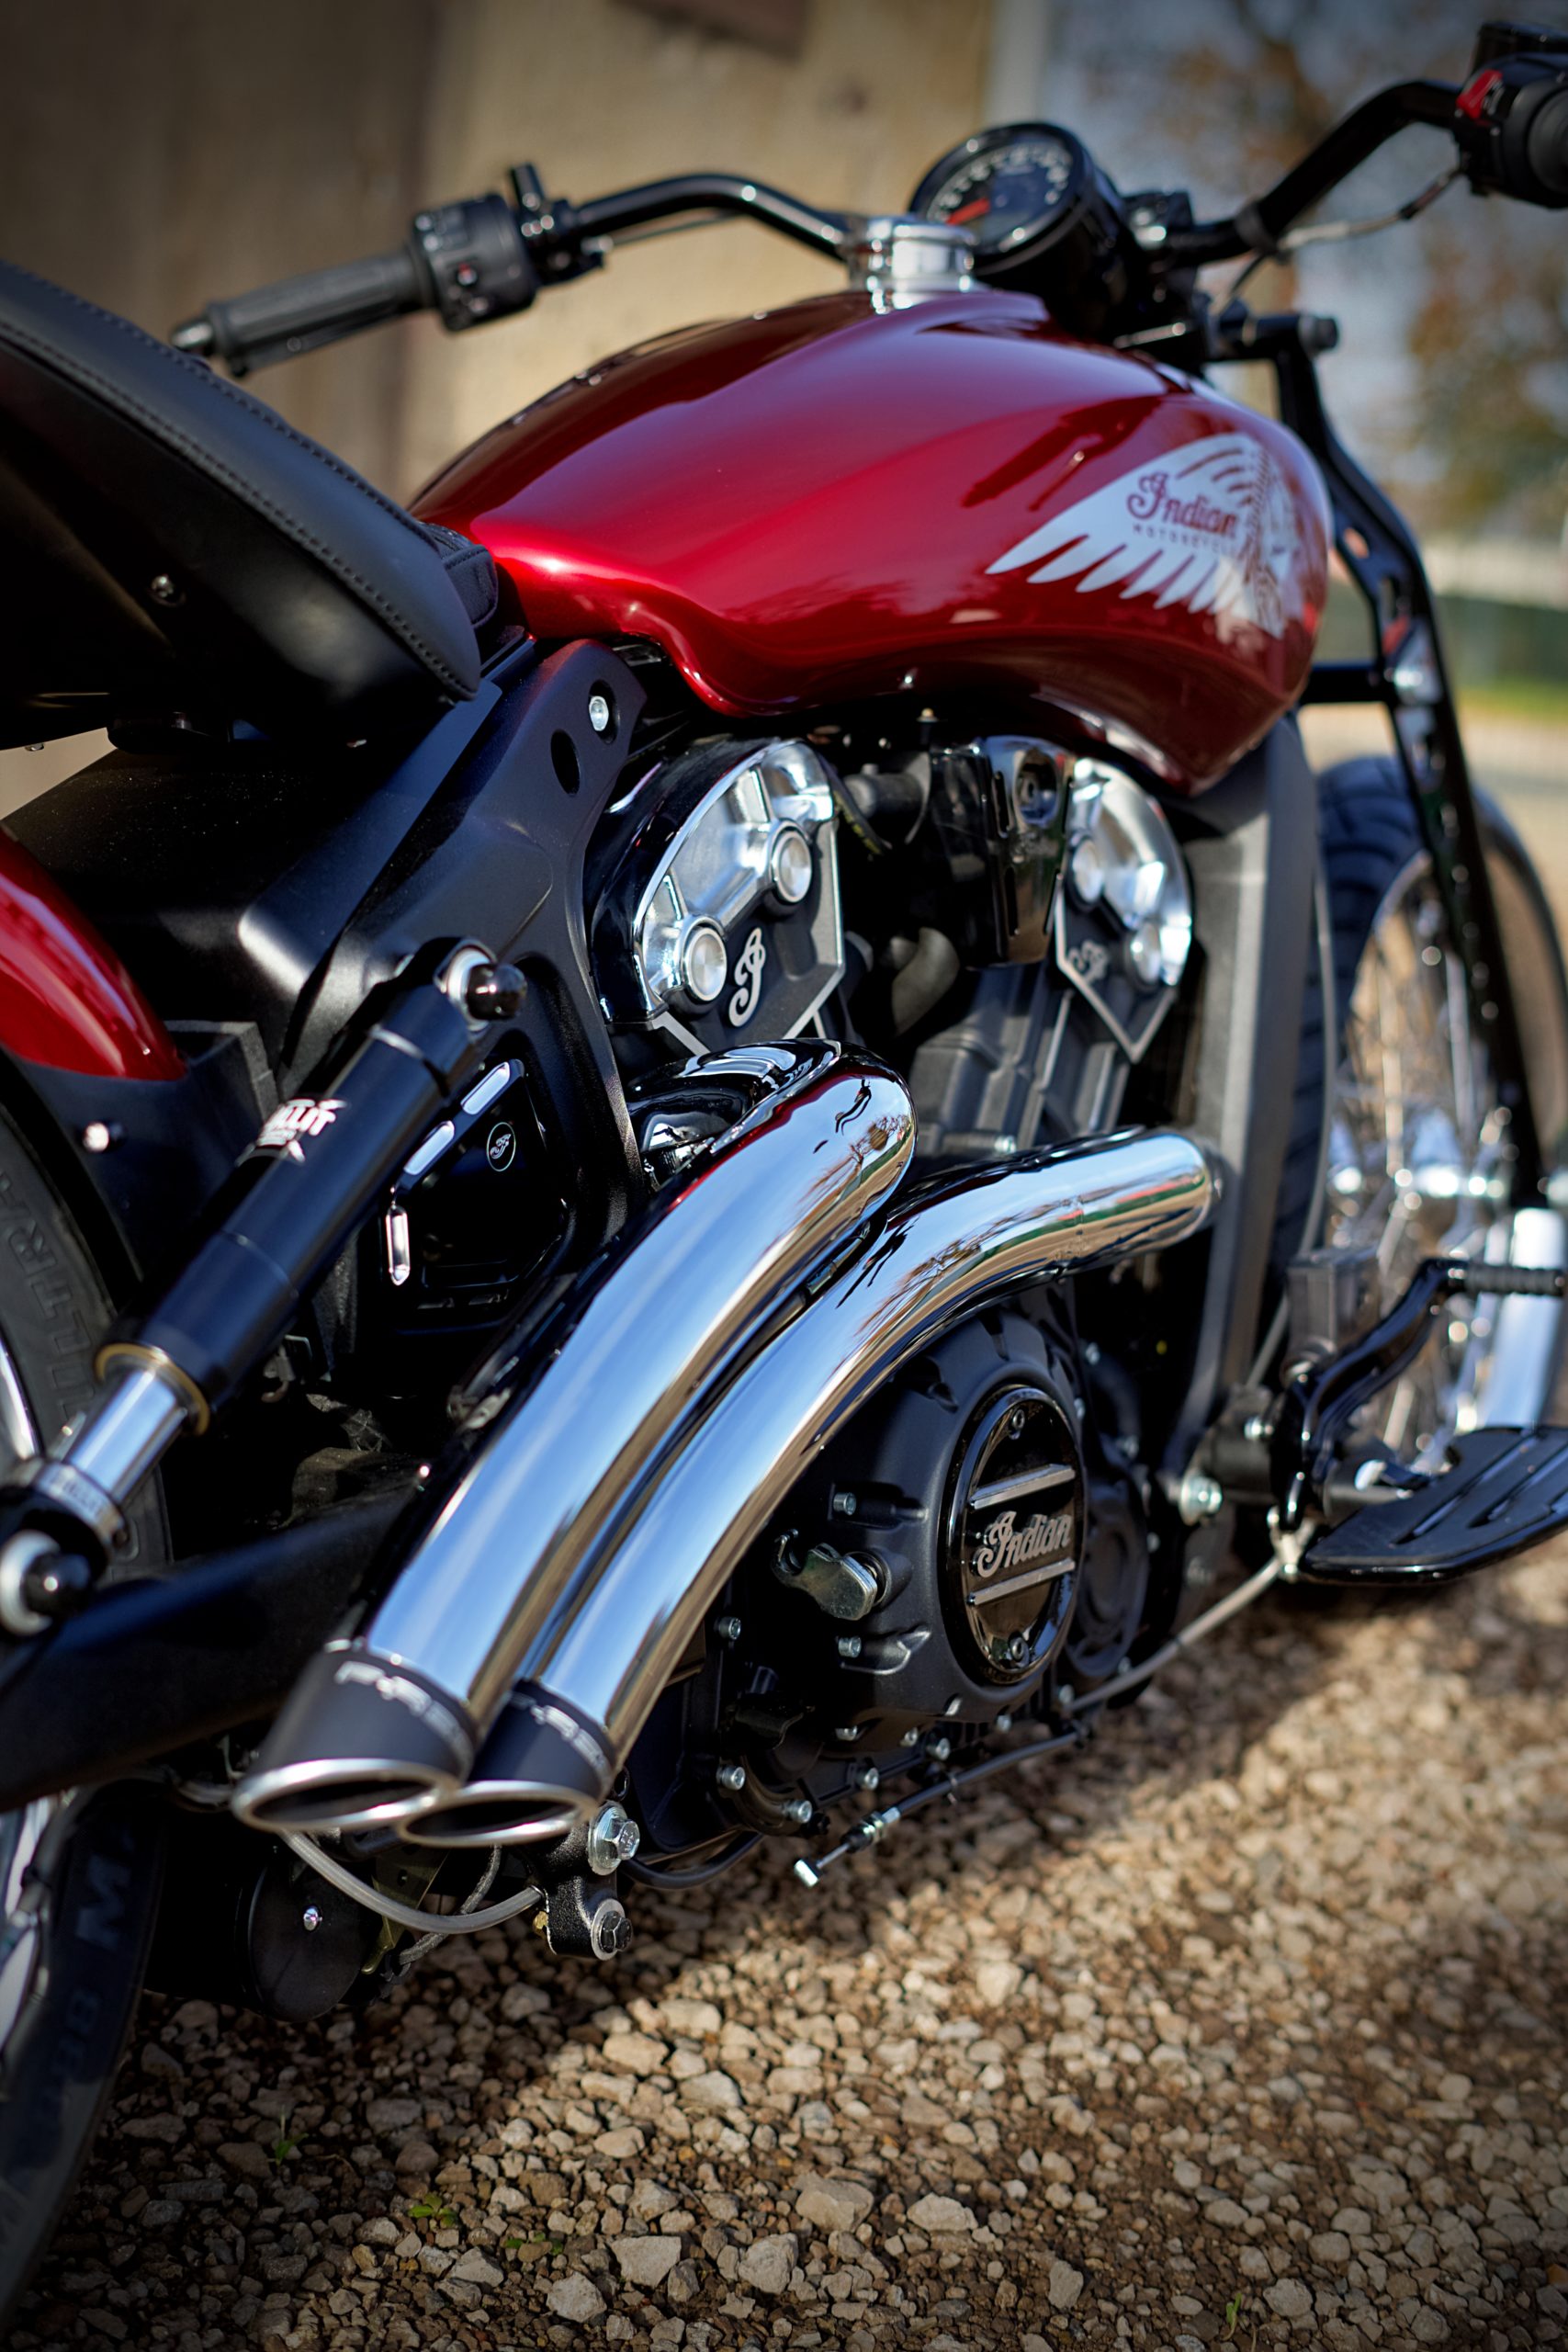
column 310, row 1918
column 849, row 1645
column 1004, row 1723
column 939, row 1750
column 731, row 1776
column 866, row 1776
column 845, row 1503
column 848, row 1731
column 600, row 717
column 727, row 1629
column 801, row 1811
column 1016, row 1649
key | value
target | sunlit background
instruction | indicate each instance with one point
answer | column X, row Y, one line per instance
column 153, row 157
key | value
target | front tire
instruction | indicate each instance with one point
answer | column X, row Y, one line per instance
column 1419, row 1156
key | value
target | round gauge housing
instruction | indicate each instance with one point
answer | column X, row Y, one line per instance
column 1041, row 214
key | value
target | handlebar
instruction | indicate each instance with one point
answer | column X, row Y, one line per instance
column 298, row 314
column 485, row 258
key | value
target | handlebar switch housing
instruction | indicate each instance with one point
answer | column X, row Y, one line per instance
column 476, row 261
column 1511, row 116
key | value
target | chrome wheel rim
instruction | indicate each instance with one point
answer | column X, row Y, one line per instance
column 1420, row 1165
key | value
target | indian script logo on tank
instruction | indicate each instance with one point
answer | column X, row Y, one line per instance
column 1004, row 1544
column 1210, row 527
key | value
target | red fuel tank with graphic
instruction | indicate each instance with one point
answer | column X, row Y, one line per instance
column 832, row 503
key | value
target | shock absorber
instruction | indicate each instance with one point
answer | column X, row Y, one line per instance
column 296, row 1198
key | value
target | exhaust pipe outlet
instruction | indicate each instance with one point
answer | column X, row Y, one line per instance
column 388, row 1726
column 603, row 1645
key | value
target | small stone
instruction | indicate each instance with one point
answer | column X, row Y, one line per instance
column 769, row 2263
column 1289, row 2298
column 832, row 2204
column 633, row 2054
column 1330, row 2245
column 1225, row 2213
column 478, row 2268
column 711, row 2094
column 247, row 2158
column 392, row 2114
column 575, row 2298
column 941, row 2217
column 647, row 2262
column 1064, row 2285
column 415, row 2160
column 996, row 1982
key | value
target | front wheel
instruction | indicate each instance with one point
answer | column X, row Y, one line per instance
column 1420, row 1151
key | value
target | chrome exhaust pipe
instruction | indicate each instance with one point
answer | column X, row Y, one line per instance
column 595, row 1649
column 383, row 1726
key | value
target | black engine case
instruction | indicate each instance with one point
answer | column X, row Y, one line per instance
column 965, row 1487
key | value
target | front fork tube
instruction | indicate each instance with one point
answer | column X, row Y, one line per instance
column 296, row 1199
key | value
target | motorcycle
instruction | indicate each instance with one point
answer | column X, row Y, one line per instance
column 688, row 1139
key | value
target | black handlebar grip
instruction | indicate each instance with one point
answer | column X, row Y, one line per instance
column 301, row 313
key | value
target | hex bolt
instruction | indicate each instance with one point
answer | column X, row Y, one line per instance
column 801, row 1811
column 610, row 1929
column 1017, row 1422
column 845, row 1503
column 727, row 1629
column 731, row 1776
column 849, row 1645
column 939, row 1750
column 600, row 717
column 613, row 1839
column 865, row 1776
column 310, row 1918
column 1199, row 1497
column 1016, row 1649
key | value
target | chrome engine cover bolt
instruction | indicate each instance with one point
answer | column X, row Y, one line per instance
column 845, row 1504
column 911, row 1739
column 1086, row 871
column 731, row 1776
column 791, row 868
column 727, row 1629
column 939, row 1750
column 1199, row 1497
column 310, row 1918
column 600, row 717
column 613, row 1839
column 849, row 1645
column 865, row 1776
column 703, row 964
column 800, row 1810
column 1003, row 1722
column 1145, row 953
column 848, row 1731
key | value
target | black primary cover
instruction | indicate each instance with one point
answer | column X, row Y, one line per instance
column 168, row 542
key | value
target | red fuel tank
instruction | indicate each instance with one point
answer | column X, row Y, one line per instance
column 830, row 503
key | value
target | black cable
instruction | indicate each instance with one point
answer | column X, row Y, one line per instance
column 698, row 1875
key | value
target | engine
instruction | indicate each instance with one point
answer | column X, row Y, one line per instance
column 1009, row 924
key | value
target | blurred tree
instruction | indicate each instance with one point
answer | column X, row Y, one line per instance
column 1240, row 87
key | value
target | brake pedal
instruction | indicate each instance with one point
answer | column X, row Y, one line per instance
column 1506, row 1489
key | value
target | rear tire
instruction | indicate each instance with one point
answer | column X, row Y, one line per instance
column 79, row 1878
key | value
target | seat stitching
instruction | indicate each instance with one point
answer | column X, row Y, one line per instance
column 178, row 437
column 197, row 372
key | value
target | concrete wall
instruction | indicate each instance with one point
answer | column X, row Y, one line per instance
column 154, row 154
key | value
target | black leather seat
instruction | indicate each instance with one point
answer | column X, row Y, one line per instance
column 168, row 543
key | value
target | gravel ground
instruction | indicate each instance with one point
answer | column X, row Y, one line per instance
column 1247, row 2027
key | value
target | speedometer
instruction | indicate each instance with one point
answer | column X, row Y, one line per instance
column 1008, row 187
column 1041, row 217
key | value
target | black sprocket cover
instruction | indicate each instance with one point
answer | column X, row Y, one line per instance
column 964, row 1485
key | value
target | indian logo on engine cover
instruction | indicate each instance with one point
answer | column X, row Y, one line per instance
column 1210, row 527
column 1004, row 1544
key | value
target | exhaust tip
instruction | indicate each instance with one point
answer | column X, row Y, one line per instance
column 543, row 1770
column 362, row 1741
